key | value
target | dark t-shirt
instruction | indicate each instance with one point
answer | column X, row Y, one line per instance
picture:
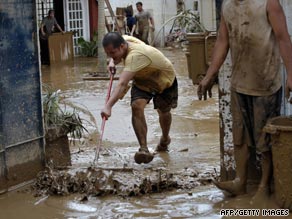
column 131, row 21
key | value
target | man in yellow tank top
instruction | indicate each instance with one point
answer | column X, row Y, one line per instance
column 256, row 33
column 153, row 77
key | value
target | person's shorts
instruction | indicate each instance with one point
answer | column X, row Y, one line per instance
column 164, row 101
column 249, row 116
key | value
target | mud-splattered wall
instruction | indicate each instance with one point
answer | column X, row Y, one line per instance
column 21, row 128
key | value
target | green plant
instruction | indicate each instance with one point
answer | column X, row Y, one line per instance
column 69, row 122
column 88, row 48
column 189, row 22
column 185, row 22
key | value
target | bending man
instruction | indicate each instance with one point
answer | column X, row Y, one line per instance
column 153, row 77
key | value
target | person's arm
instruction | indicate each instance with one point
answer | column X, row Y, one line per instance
column 123, row 82
column 42, row 28
column 134, row 26
column 152, row 22
column 111, row 66
column 58, row 26
column 219, row 54
column 133, row 29
column 278, row 22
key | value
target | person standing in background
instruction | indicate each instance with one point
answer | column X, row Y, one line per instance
column 143, row 19
column 48, row 26
column 130, row 22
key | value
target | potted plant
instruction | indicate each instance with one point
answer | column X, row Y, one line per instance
column 186, row 21
column 88, row 48
column 58, row 123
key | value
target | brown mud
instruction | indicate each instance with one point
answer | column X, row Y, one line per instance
column 116, row 181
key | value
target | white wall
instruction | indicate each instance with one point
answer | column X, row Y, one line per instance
column 287, row 5
column 208, row 14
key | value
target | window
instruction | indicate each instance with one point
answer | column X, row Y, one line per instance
column 43, row 7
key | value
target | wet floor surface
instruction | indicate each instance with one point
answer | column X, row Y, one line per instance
column 195, row 144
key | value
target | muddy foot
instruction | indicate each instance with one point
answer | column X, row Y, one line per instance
column 261, row 196
column 233, row 187
column 143, row 156
column 163, row 145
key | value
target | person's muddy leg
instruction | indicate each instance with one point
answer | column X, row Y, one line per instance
column 164, row 102
column 241, row 126
column 266, row 169
column 264, row 187
column 266, row 107
column 165, row 119
column 139, row 121
column 145, row 35
column 140, row 127
column 238, row 185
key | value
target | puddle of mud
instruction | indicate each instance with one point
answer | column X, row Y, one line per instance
column 196, row 203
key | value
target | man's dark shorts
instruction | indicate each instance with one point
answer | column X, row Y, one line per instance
column 164, row 101
column 250, row 114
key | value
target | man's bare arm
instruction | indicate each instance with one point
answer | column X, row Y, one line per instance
column 59, row 28
column 123, row 82
column 42, row 29
column 151, row 21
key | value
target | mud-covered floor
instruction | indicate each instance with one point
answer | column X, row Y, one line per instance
column 193, row 156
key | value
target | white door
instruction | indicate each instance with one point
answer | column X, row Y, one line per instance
column 77, row 20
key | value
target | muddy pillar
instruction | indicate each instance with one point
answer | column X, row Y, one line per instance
column 21, row 128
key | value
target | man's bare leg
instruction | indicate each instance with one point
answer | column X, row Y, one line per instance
column 139, row 121
column 165, row 119
column 140, row 128
column 238, row 185
column 264, row 187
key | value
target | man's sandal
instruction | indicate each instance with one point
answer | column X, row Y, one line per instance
column 143, row 156
column 163, row 145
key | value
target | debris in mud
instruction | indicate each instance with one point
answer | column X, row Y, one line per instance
column 184, row 150
column 119, row 181
column 98, row 76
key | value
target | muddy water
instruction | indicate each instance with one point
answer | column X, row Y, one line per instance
column 195, row 144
